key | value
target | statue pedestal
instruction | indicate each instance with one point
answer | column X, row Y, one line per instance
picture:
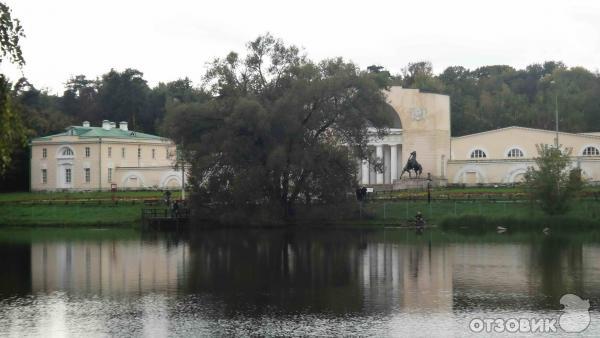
column 406, row 183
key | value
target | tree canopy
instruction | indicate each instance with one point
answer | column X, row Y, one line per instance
column 11, row 128
column 553, row 182
column 278, row 128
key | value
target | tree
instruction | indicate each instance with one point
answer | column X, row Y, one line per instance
column 553, row 183
column 279, row 128
column 12, row 133
column 123, row 96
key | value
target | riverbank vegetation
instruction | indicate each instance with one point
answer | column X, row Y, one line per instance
column 74, row 214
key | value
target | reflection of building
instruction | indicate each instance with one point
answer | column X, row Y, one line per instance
column 94, row 158
column 408, row 277
column 422, row 124
column 110, row 267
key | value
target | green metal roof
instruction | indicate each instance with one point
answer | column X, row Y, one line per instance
column 97, row 132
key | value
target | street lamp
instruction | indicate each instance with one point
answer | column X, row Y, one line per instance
column 555, row 111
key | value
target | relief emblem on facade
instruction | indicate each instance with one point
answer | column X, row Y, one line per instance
column 418, row 114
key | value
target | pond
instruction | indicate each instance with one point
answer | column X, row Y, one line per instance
column 391, row 282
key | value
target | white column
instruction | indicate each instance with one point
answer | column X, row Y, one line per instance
column 394, row 162
column 364, row 172
column 379, row 153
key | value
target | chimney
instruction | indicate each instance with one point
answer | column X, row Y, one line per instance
column 123, row 125
column 86, row 124
column 106, row 125
column 113, row 125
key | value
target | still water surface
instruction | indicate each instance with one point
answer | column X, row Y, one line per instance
column 309, row 282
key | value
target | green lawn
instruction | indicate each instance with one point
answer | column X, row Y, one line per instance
column 72, row 196
column 401, row 211
column 69, row 215
column 499, row 193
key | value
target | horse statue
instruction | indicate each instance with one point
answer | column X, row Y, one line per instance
column 413, row 165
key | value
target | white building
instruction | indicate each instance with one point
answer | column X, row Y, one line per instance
column 98, row 158
column 490, row 157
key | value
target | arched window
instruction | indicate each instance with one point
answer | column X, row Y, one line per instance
column 591, row 151
column 478, row 153
column 65, row 152
column 515, row 152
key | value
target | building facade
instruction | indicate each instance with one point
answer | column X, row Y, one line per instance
column 100, row 158
column 499, row 156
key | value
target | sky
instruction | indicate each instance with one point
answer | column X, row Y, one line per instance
column 167, row 40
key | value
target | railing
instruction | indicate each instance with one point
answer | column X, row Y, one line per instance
column 149, row 213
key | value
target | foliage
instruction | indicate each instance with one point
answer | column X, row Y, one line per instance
column 11, row 128
column 553, row 183
column 498, row 96
column 11, row 33
column 279, row 129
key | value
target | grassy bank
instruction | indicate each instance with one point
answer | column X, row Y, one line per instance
column 24, row 197
column 98, row 209
column 455, row 214
column 70, row 215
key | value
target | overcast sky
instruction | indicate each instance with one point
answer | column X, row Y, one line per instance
column 171, row 39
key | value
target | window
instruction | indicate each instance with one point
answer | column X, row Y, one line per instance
column 109, row 175
column 514, row 152
column 44, row 176
column 87, row 151
column 68, row 176
column 153, row 153
column 478, row 153
column 123, row 152
column 591, row 151
column 109, row 151
column 67, row 152
column 87, row 175
column 44, row 153
column 139, row 152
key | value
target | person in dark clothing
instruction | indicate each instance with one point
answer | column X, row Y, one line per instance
column 168, row 198
column 419, row 220
column 175, row 210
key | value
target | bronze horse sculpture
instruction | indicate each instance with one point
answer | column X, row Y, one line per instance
column 413, row 165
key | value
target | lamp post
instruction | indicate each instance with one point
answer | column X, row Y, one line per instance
column 555, row 112
column 428, row 188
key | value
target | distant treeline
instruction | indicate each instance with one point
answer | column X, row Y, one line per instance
column 485, row 98
column 498, row 96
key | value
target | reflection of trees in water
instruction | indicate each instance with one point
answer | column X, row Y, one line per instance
column 531, row 275
column 559, row 265
column 15, row 269
column 255, row 272
column 295, row 271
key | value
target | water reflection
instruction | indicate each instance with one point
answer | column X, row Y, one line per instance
column 310, row 282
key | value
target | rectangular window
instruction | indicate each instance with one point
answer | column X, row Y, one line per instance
column 153, row 153
column 109, row 151
column 68, row 176
column 109, row 175
column 87, row 175
column 87, row 151
column 44, row 153
column 139, row 152
column 123, row 152
column 44, row 176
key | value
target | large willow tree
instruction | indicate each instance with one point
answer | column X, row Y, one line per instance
column 278, row 129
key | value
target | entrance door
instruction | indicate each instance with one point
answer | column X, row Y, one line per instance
column 65, row 176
